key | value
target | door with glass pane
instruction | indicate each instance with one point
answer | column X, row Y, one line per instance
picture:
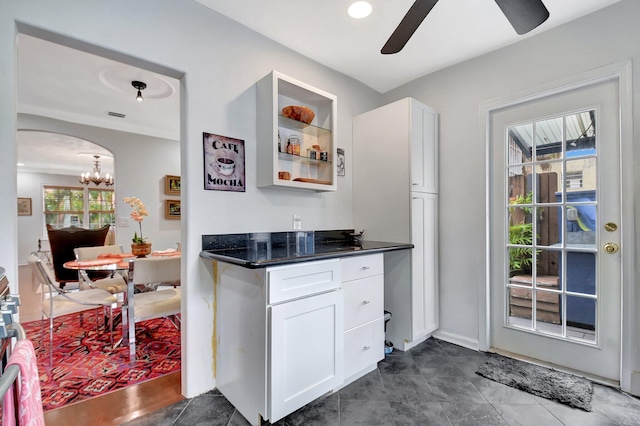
column 555, row 226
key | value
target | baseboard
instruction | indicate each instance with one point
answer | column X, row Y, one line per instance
column 405, row 346
column 457, row 339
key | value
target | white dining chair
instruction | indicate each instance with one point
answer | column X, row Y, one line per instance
column 57, row 301
column 159, row 303
column 114, row 283
column 157, row 271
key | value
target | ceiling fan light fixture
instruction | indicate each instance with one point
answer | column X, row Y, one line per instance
column 140, row 86
column 360, row 9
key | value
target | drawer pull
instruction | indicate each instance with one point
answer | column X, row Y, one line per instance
column 366, row 302
column 366, row 348
column 364, row 268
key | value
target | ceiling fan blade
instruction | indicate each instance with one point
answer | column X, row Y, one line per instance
column 408, row 26
column 524, row 15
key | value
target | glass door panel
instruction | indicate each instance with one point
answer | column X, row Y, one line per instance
column 551, row 208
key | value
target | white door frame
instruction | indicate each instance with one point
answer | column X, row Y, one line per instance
column 622, row 72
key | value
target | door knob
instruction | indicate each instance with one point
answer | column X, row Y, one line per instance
column 610, row 248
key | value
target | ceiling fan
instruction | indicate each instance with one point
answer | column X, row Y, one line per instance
column 523, row 15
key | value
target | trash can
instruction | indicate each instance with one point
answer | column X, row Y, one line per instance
column 388, row 346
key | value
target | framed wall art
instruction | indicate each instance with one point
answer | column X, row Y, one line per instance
column 172, row 209
column 172, row 185
column 24, row 206
column 223, row 163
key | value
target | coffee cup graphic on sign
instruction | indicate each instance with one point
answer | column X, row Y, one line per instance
column 224, row 166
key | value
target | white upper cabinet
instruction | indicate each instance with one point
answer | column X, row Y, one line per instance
column 424, row 161
column 395, row 153
column 310, row 162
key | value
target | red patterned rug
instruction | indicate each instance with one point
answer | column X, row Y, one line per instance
column 84, row 366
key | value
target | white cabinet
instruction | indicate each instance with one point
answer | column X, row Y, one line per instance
column 363, row 289
column 305, row 352
column 307, row 169
column 424, row 264
column 279, row 336
column 395, row 185
column 424, row 136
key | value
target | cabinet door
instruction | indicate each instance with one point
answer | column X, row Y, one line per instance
column 424, row 148
column 306, row 351
column 424, row 274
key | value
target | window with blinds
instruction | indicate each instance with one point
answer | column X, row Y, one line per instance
column 88, row 208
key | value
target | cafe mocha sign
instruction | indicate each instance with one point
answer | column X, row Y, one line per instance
column 223, row 163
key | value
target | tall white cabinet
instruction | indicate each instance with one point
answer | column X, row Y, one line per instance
column 395, row 186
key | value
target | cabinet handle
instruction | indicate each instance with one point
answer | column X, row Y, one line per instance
column 414, row 184
column 366, row 302
column 364, row 268
column 366, row 348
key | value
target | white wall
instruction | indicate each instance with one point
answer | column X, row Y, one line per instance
column 31, row 228
column 608, row 36
column 141, row 163
column 219, row 63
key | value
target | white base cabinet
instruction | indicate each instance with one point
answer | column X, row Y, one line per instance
column 363, row 289
column 279, row 336
column 287, row 335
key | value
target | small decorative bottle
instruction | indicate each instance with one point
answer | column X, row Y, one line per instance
column 279, row 142
column 289, row 148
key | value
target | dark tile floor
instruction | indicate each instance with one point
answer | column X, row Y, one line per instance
column 432, row 384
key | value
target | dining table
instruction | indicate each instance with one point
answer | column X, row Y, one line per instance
column 122, row 263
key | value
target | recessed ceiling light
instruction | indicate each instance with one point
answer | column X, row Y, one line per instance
column 360, row 9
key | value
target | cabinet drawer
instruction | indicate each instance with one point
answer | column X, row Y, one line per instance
column 302, row 279
column 356, row 267
column 363, row 300
column 363, row 346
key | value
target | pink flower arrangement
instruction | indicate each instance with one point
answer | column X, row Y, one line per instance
column 138, row 214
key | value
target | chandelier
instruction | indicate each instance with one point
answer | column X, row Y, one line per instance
column 95, row 177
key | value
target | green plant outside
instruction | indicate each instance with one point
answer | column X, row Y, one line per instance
column 521, row 234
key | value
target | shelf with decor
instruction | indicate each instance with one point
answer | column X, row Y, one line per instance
column 294, row 113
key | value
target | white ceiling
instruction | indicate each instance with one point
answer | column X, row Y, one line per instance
column 45, row 152
column 454, row 31
column 66, row 84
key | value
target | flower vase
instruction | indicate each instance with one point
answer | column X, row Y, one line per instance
column 140, row 249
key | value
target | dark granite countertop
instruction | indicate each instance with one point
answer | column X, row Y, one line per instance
column 260, row 250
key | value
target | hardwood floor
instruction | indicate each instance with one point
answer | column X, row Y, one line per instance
column 120, row 406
